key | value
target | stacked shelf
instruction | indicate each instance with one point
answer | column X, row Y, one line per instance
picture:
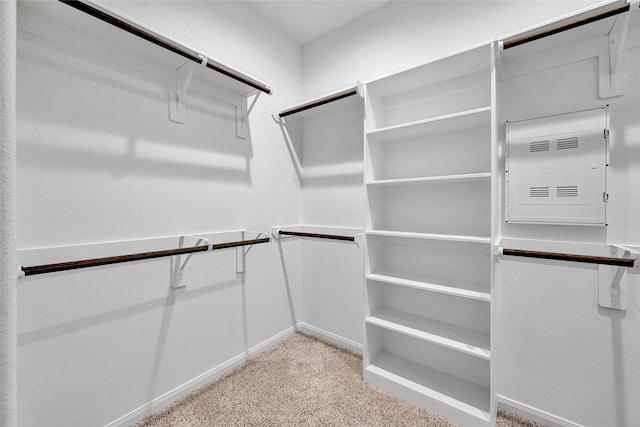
column 428, row 176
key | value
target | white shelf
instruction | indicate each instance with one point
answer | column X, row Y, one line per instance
column 577, row 34
column 459, row 288
column 448, row 67
column 462, row 177
column 329, row 233
column 334, row 103
column 476, row 118
column 430, row 236
column 447, row 335
column 107, row 43
column 456, row 399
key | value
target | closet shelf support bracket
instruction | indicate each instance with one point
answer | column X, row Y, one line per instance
column 178, row 96
column 613, row 67
column 179, row 267
column 241, row 254
column 612, row 280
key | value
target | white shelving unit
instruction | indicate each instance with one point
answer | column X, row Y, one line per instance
column 429, row 184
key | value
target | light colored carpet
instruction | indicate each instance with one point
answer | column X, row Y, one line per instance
column 302, row 381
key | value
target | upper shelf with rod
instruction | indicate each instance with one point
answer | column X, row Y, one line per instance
column 615, row 24
column 341, row 99
column 340, row 234
column 606, row 14
column 95, row 38
column 117, row 19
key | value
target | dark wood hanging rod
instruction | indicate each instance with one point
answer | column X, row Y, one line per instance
column 165, row 43
column 606, row 13
column 321, row 101
column 317, row 235
column 589, row 259
column 95, row 262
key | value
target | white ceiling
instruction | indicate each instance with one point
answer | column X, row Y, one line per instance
column 306, row 20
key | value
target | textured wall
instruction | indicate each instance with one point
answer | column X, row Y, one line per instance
column 99, row 161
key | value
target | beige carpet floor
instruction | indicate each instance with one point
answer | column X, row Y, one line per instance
column 302, row 381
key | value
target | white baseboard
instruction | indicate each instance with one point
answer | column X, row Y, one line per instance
column 169, row 397
column 533, row 414
column 331, row 337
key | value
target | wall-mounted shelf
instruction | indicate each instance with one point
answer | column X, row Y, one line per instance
column 196, row 245
column 112, row 17
column 319, row 232
column 587, row 259
column 603, row 13
column 324, row 136
column 142, row 52
column 303, row 110
column 616, row 26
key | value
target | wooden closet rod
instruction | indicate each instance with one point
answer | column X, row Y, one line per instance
column 321, row 101
column 317, row 235
column 589, row 259
column 72, row 265
column 606, row 13
column 159, row 40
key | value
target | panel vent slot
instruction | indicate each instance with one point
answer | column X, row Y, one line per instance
column 567, row 143
column 538, row 191
column 538, row 146
column 567, row 191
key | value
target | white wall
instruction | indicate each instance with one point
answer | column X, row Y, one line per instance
column 558, row 351
column 402, row 34
column 558, row 355
column 333, row 196
column 99, row 161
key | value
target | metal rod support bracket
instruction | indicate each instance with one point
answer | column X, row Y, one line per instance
column 177, row 281
column 612, row 280
column 613, row 67
column 178, row 96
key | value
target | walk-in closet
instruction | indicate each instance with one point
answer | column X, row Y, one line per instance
column 305, row 213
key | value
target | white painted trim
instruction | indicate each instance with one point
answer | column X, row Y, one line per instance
column 533, row 414
column 172, row 395
column 336, row 339
column 8, row 218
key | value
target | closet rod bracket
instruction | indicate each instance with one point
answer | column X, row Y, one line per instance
column 179, row 266
column 612, row 280
column 242, row 251
column 613, row 67
column 178, row 96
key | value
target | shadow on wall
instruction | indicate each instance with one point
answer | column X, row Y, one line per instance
column 79, row 111
column 84, row 323
column 326, row 147
column 620, row 378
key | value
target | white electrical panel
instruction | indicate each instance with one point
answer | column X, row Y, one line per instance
column 556, row 169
